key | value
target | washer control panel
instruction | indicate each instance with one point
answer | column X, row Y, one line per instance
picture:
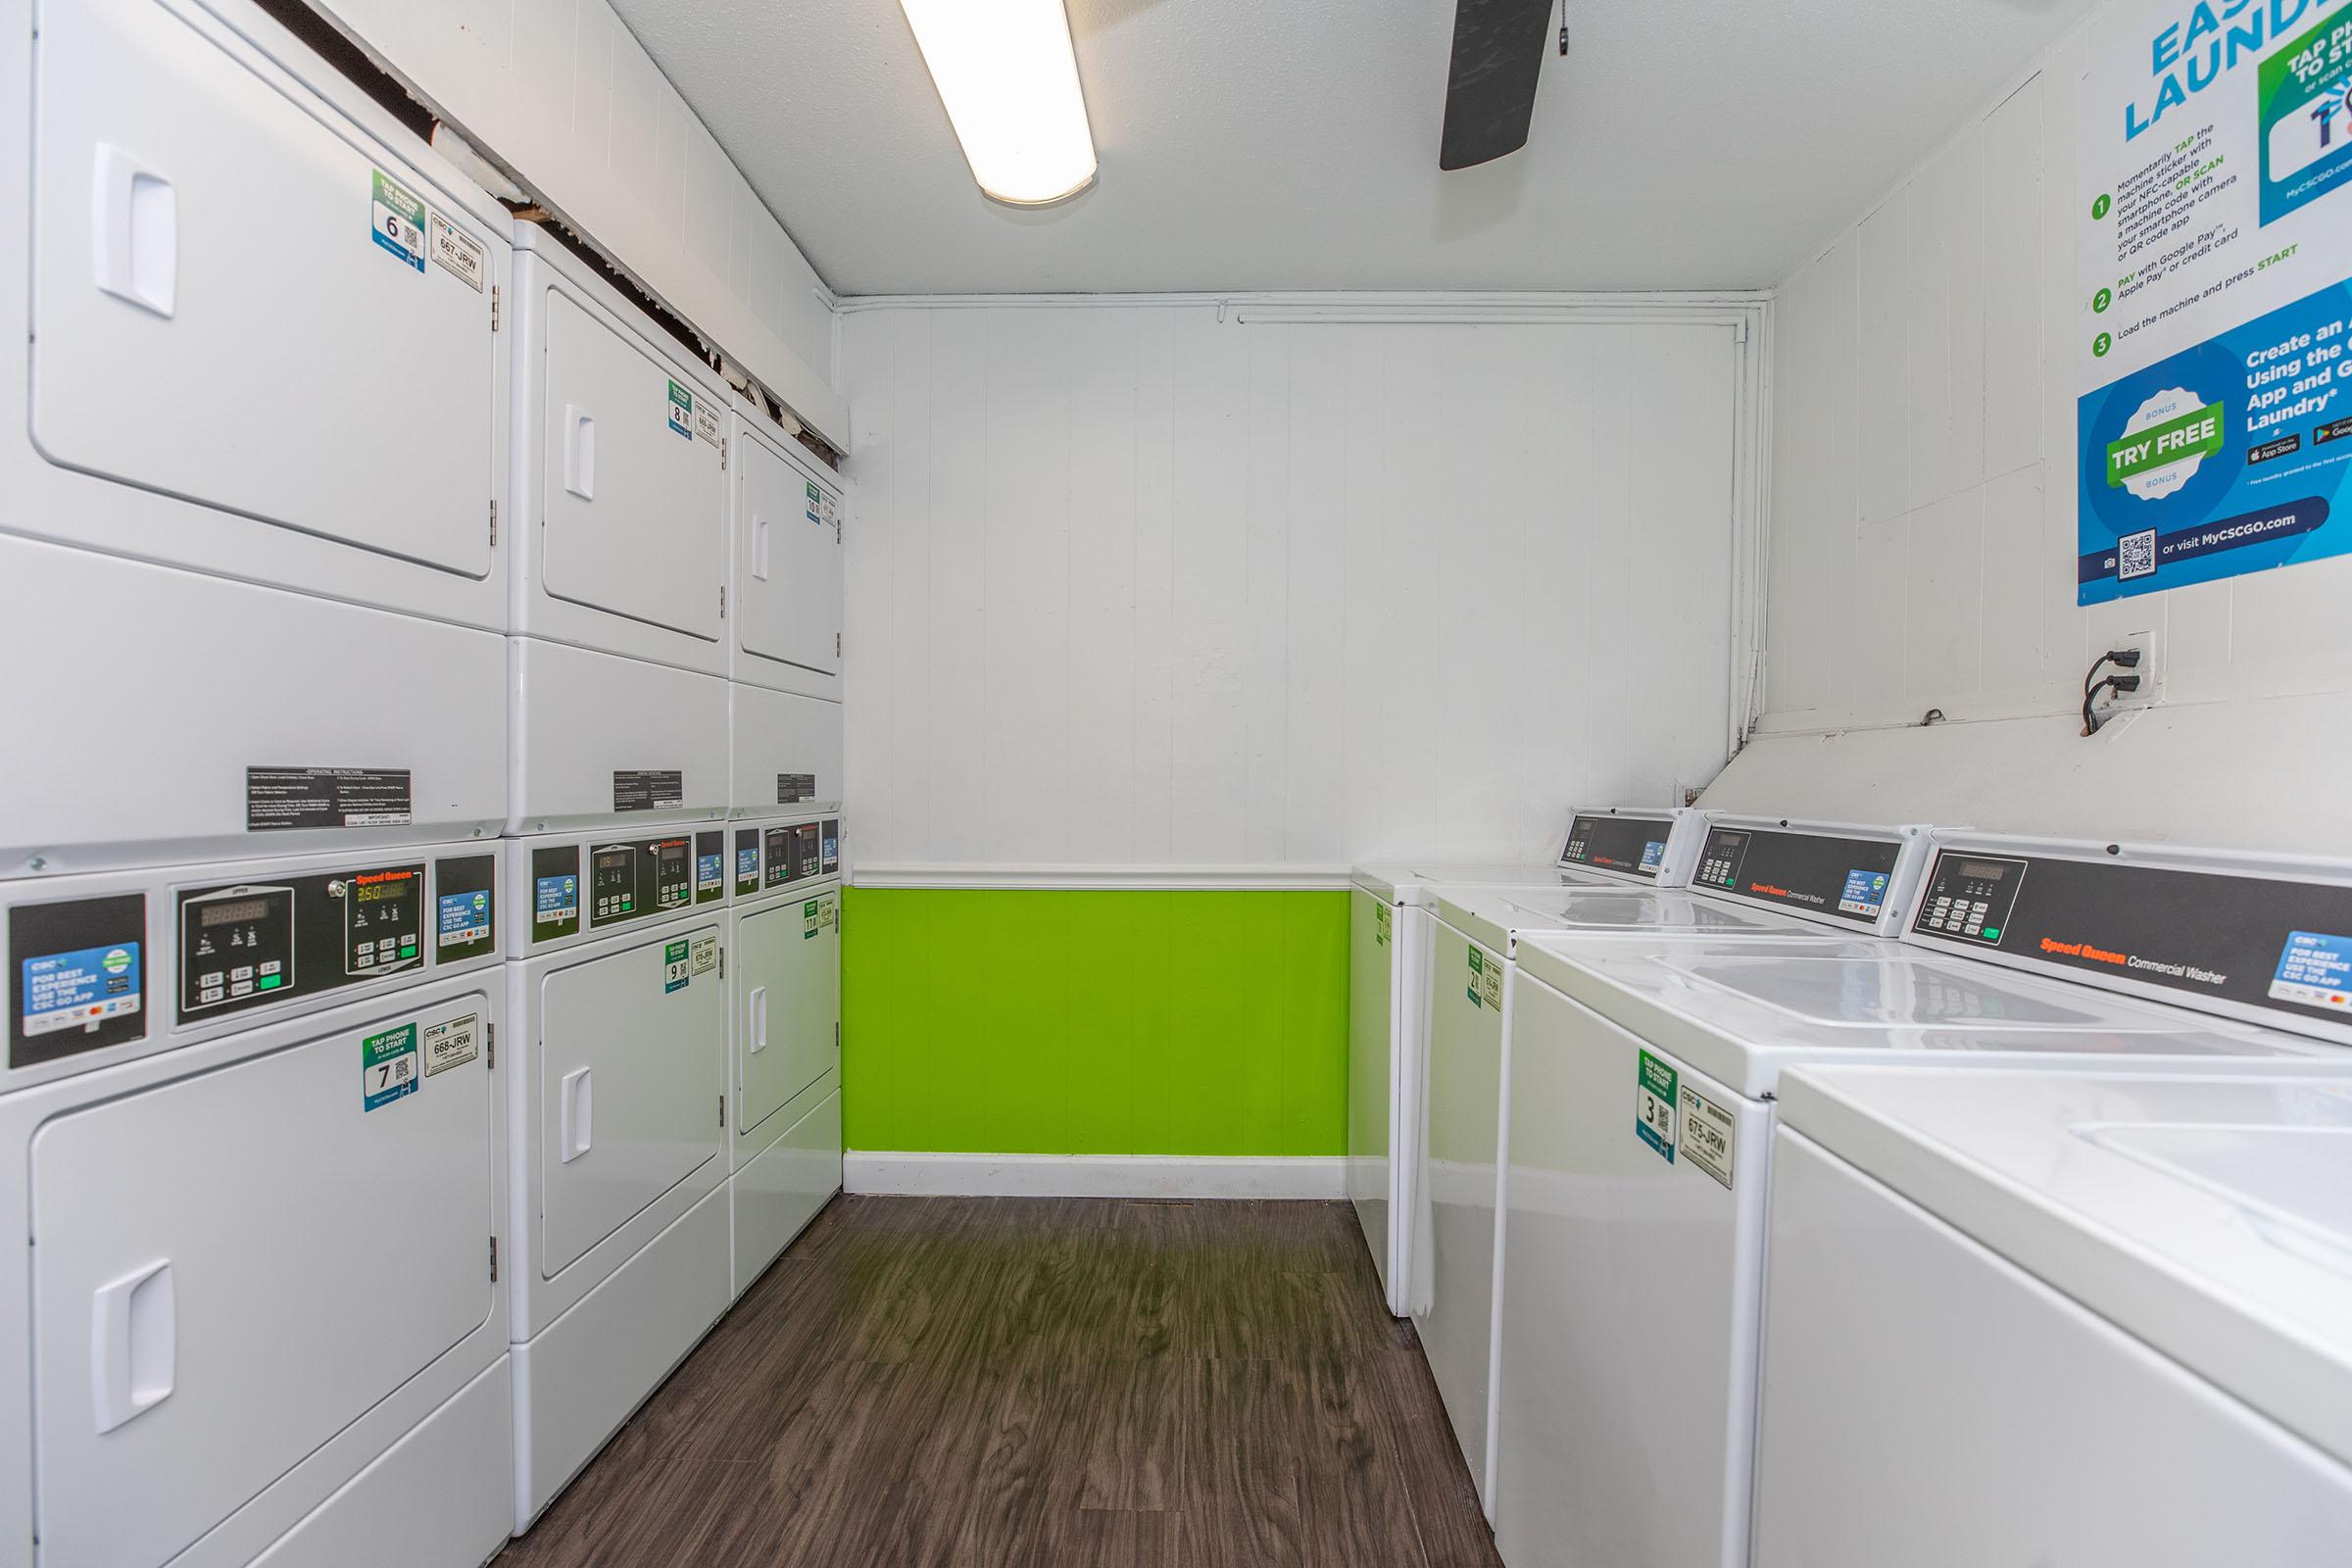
column 1847, row 877
column 1634, row 845
column 1970, row 897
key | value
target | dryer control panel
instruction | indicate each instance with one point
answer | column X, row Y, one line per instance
column 623, row 880
column 245, row 944
column 786, row 853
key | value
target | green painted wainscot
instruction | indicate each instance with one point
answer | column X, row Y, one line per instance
column 1126, row 1022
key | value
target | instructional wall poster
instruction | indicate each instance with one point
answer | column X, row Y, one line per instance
column 2215, row 417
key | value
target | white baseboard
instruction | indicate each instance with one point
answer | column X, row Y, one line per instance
column 1094, row 1175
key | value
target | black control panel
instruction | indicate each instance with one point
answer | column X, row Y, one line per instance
column 2264, row 942
column 1821, row 873
column 77, row 977
column 711, row 865
column 629, row 881
column 464, row 907
column 555, row 891
column 793, row 854
column 746, row 861
column 1610, row 842
column 246, row 943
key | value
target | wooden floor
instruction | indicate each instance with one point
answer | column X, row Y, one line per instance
column 1053, row 1381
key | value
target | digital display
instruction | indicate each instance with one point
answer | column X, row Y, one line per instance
column 379, row 892
column 232, row 912
column 1987, row 871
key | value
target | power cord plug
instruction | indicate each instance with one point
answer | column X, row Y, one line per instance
column 2093, row 686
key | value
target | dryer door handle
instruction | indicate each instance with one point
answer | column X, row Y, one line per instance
column 759, row 1019
column 759, row 547
column 133, row 1345
column 579, row 452
column 576, row 1102
column 134, row 246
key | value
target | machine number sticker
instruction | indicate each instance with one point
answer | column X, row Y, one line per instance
column 1654, row 1099
column 397, row 219
column 1382, row 930
column 705, row 955
column 828, row 911
column 456, row 252
column 452, row 1044
column 2316, row 970
column 681, row 411
column 816, row 502
column 808, row 918
column 1491, row 978
column 387, row 1066
column 706, row 421
column 1477, row 963
column 677, row 965
column 1707, row 1130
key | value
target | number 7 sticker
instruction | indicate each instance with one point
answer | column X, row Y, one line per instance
column 387, row 1066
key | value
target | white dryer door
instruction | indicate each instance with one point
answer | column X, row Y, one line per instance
column 229, row 1269
column 632, row 1067
column 788, row 563
column 633, row 501
column 790, row 957
column 219, row 315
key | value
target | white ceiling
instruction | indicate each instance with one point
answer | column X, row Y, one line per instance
column 1292, row 144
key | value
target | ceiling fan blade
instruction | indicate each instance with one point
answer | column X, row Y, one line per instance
column 1490, row 90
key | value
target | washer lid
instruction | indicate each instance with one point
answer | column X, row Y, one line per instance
column 1497, row 917
column 1741, row 1010
column 2210, row 1216
column 1409, row 882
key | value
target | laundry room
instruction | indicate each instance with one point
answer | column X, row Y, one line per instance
column 1151, row 782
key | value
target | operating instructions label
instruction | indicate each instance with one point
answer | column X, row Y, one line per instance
column 653, row 789
column 794, row 788
column 278, row 797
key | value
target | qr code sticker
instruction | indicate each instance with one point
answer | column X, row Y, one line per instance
column 2135, row 554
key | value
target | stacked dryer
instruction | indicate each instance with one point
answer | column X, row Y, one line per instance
column 619, row 788
column 252, row 601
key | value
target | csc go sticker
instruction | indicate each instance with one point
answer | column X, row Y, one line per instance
column 677, row 965
column 1707, row 1133
column 1654, row 1101
column 396, row 217
column 387, row 1066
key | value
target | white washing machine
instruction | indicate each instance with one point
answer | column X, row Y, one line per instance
column 1642, row 1102
column 616, row 1131
column 619, row 612
column 1388, row 945
column 783, row 621
column 1754, row 881
column 258, row 405
column 262, row 1312
column 784, row 991
column 2099, row 1319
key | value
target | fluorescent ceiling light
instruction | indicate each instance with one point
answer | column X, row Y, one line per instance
column 1006, row 72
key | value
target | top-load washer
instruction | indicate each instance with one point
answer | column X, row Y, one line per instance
column 1389, row 921
column 1753, row 880
column 783, row 620
column 260, row 403
column 619, row 607
column 1641, row 1105
column 2102, row 1319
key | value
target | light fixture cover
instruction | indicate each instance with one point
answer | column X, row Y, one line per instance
column 1009, row 76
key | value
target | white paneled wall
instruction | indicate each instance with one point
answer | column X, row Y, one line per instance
column 1923, row 521
column 1132, row 585
column 561, row 92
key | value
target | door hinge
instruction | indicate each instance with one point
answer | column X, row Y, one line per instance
column 492, row 1037
column 836, row 637
column 494, row 1261
column 494, row 524
column 837, row 1034
column 722, row 602
column 494, row 307
column 722, row 964
column 722, row 1110
column 722, row 453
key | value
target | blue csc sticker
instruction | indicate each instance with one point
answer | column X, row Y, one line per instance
column 2315, row 970
column 80, row 989
column 1865, row 893
column 1653, row 855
